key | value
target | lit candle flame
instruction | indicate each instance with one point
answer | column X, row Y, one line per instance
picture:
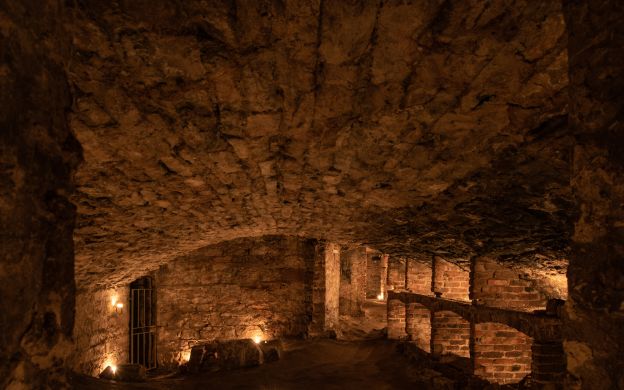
column 119, row 305
column 257, row 339
column 380, row 296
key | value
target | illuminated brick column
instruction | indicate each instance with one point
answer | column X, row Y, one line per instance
column 548, row 364
column 450, row 334
column 501, row 354
column 418, row 325
column 396, row 320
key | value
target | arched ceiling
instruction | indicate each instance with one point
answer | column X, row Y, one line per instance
column 416, row 127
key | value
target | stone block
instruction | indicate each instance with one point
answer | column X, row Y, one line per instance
column 130, row 373
column 225, row 355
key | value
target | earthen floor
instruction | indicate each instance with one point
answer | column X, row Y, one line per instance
column 318, row 364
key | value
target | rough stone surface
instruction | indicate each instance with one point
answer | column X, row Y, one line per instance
column 595, row 308
column 100, row 331
column 38, row 155
column 203, row 122
column 238, row 289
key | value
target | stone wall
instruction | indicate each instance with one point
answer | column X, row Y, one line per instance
column 238, row 289
column 495, row 285
column 38, row 156
column 501, row 354
column 450, row 280
column 101, row 331
column 450, row 334
column 352, row 281
column 594, row 339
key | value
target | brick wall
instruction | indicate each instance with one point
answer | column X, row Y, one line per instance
column 396, row 273
column 418, row 325
column 451, row 280
column 352, row 281
column 373, row 274
column 236, row 289
column 396, row 319
column 498, row 286
column 450, row 334
column 548, row 364
column 419, row 276
column 100, row 331
column 501, row 354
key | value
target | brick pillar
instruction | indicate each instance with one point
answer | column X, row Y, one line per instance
column 418, row 325
column 450, row 280
column 396, row 273
column 495, row 285
column 418, row 276
column 396, row 320
column 548, row 364
column 501, row 354
column 352, row 281
column 450, row 334
column 384, row 276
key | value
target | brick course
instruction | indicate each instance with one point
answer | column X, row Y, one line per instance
column 501, row 354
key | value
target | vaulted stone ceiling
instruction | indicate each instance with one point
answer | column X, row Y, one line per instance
column 416, row 127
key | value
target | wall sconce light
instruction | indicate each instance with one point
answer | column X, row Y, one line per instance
column 118, row 306
column 380, row 296
column 257, row 339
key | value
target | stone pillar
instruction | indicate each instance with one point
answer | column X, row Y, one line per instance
column 548, row 364
column 352, row 281
column 332, row 285
column 325, row 288
column 450, row 334
column 418, row 325
column 594, row 320
column 396, row 320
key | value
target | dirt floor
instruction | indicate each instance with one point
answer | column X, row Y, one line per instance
column 317, row 364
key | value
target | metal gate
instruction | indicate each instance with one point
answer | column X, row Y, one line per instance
column 143, row 323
